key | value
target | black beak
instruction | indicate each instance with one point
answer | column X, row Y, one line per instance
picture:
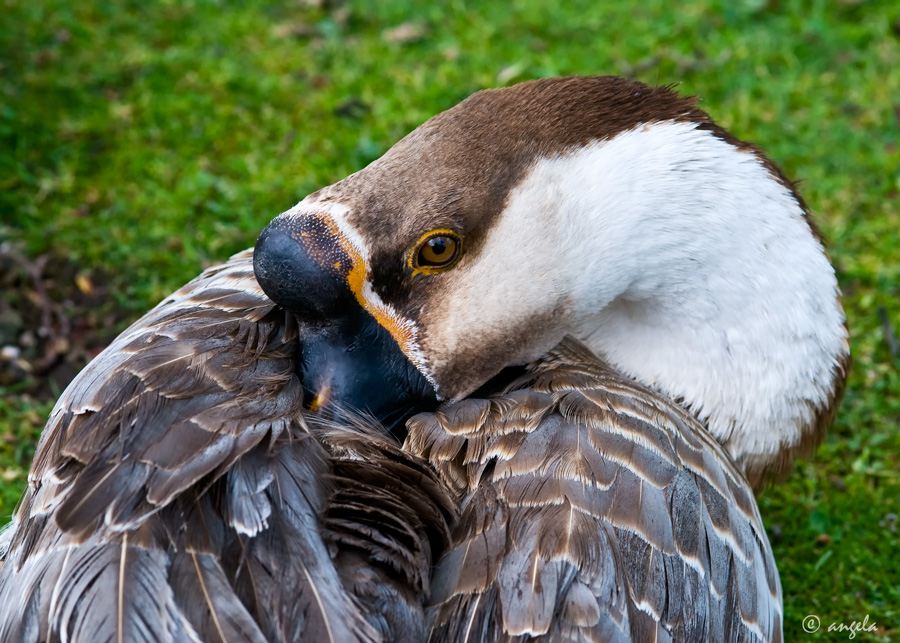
column 350, row 364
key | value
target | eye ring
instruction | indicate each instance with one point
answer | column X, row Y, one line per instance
column 436, row 251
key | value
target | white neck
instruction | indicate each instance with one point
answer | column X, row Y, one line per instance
column 691, row 268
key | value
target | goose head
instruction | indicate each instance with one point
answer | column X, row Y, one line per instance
column 595, row 207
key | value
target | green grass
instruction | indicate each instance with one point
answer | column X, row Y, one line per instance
column 149, row 142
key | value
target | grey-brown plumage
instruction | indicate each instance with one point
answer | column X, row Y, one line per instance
column 179, row 494
column 593, row 509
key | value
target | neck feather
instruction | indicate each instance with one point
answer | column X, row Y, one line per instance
column 694, row 270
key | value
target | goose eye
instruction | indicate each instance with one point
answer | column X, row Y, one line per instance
column 436, row 251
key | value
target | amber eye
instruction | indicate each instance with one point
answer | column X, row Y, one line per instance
column 436, row 250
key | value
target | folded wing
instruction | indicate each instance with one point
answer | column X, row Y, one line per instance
column 593, row 509
column 180, row 494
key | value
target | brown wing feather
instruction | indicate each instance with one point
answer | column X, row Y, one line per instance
column 184, row 392
column 592, row 509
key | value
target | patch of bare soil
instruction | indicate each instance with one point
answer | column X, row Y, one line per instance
column 54, row 318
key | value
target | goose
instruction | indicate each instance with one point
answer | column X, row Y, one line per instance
column 596, row 320
column 661, row 288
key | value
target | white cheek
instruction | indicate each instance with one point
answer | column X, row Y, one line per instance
column 515, row 278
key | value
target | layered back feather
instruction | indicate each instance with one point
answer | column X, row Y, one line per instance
column 179, row 494
column 593, row 509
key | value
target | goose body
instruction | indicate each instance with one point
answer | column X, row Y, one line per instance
column 583, row 505
column 608, row 319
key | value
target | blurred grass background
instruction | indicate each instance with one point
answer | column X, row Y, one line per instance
column 140, row 142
